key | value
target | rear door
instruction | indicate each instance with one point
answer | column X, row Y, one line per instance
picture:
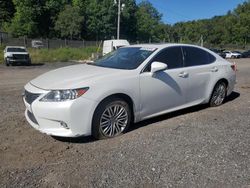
column 200, row 67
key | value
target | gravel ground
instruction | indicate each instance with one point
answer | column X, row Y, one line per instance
column 195, row 147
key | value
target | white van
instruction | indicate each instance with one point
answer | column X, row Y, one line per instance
column 37, row 44
column 111, row 45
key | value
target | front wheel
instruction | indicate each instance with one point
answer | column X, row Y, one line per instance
column 219, row 94
column 7, row 63
column 28, row 63
column 112, row 118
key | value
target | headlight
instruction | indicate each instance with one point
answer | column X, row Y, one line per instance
column 63, row 95
column 10, row 56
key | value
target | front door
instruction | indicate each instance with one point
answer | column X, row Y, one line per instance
column 164, row 90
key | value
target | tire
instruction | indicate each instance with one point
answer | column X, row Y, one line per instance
column 112, row 117
column 7, row 63
column 219, row 94
column 28, row 63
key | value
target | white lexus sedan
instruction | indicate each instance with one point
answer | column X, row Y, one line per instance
column 131, row 84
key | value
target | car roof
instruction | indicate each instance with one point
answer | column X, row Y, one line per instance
column 112, row 40
column 162, row 45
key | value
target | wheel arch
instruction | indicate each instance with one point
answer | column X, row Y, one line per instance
column 220, row 80
column 122, row 96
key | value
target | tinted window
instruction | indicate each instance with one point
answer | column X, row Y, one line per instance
column 196, row 56
column 125, row 58
column 171, row 56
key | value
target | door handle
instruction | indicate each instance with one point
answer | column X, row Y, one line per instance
column 214, row 69
column 183, row 74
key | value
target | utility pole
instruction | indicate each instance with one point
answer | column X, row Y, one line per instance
column 118, row 20
column 201, row 40
column 120, row 8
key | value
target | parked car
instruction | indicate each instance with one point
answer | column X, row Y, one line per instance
column 219, row 52
column 37, row 44
column 111, row 45
column 131, row 84
column 246, row 54
column 234, row 54
column 15, row 55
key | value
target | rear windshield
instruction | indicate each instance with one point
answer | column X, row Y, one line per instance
column 16, row 50
column 125, row 58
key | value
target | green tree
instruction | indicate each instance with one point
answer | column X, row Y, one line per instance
column 7, row 10
column 100, row 19
column 148, row 18
column 51, row 11
column 35, row 18
column 69, row 22
column 242, row 26
column 81, row 4
column 232, row 28
column 25, row 21
column 93, row 22
column 128, row 20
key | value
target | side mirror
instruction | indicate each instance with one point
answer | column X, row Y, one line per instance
column 158, row 66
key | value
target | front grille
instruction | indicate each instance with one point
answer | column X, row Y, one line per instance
column 20, row 56
column 32, row 117
column 30, row 97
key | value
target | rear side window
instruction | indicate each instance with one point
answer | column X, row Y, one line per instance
column 172, row 56
column 196, row 56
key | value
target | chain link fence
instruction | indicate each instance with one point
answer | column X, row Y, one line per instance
column 7, row 40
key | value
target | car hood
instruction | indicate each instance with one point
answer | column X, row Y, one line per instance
column 72, row 77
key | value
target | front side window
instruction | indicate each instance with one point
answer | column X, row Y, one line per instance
column 196, row 56
column 172, row 56
column 125, row 58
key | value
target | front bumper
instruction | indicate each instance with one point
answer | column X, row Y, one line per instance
column 10, row 60
column 66, row 119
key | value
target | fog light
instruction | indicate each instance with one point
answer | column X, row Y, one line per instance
column 64, row 125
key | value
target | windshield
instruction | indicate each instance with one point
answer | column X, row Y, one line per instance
column 125, row 58
column 38, row 43
column 16, row 50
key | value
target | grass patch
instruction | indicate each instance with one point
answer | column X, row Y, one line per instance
column 1, row 54
column 57, row 55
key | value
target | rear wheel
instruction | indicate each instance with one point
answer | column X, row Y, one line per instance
column 219, row 94
column 112, row 118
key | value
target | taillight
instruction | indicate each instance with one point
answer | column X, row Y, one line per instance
column 233, row 66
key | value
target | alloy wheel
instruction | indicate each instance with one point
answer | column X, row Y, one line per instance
column 219, row 94
column 113, row 120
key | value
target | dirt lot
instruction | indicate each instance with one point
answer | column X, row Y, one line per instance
column 195, row 147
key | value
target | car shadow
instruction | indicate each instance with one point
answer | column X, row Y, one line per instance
column 169, row 81
column 188, row 110
column 27, row 65
column 36, row 64
column 79, row 140
column 232, row 96
column 88, row 139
